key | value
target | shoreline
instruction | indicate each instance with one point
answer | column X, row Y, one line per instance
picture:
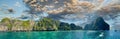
column 50, row 30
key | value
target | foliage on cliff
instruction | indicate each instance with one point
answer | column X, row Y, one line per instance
column 45, row 24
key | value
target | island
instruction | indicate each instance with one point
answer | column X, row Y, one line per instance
column 48, row 24
column 44, row 24
column 97, row 24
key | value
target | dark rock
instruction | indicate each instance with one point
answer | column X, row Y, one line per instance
column 74, row 27
column 97, row 24
column 66, row 26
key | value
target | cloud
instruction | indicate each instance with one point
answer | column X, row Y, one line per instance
column 78, row 10
column 4, row 5
column 112, row 9
column 1, row 9
column 6, row 9
column 61, row 6
column 64, row 8
column 17, row 4
column 73, row 6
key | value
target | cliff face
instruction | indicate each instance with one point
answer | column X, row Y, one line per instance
column 97, row 24
column 66, row 26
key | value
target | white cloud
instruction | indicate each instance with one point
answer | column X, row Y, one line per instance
column 0, row 9
column 4, row 5
column 17, row 4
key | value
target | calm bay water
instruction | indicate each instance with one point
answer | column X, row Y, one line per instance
column 78, row 34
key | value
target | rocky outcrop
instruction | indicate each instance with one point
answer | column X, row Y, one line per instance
column 66, row 26
column 97, row 24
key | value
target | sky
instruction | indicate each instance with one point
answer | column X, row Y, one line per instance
column 17, row 6
column 80, row 12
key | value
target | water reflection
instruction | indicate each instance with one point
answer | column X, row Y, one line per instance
column 54, row 35
column 61, row 35
column 42, row 35
column 95, row 34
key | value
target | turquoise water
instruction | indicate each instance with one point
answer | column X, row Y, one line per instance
column 79, row 34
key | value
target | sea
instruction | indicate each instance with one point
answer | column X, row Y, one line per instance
column 74, row 34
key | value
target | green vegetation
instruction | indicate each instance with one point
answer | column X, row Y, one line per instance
column 45, row 24
column 66, row 26
column 7, row 22
column 26, row 24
